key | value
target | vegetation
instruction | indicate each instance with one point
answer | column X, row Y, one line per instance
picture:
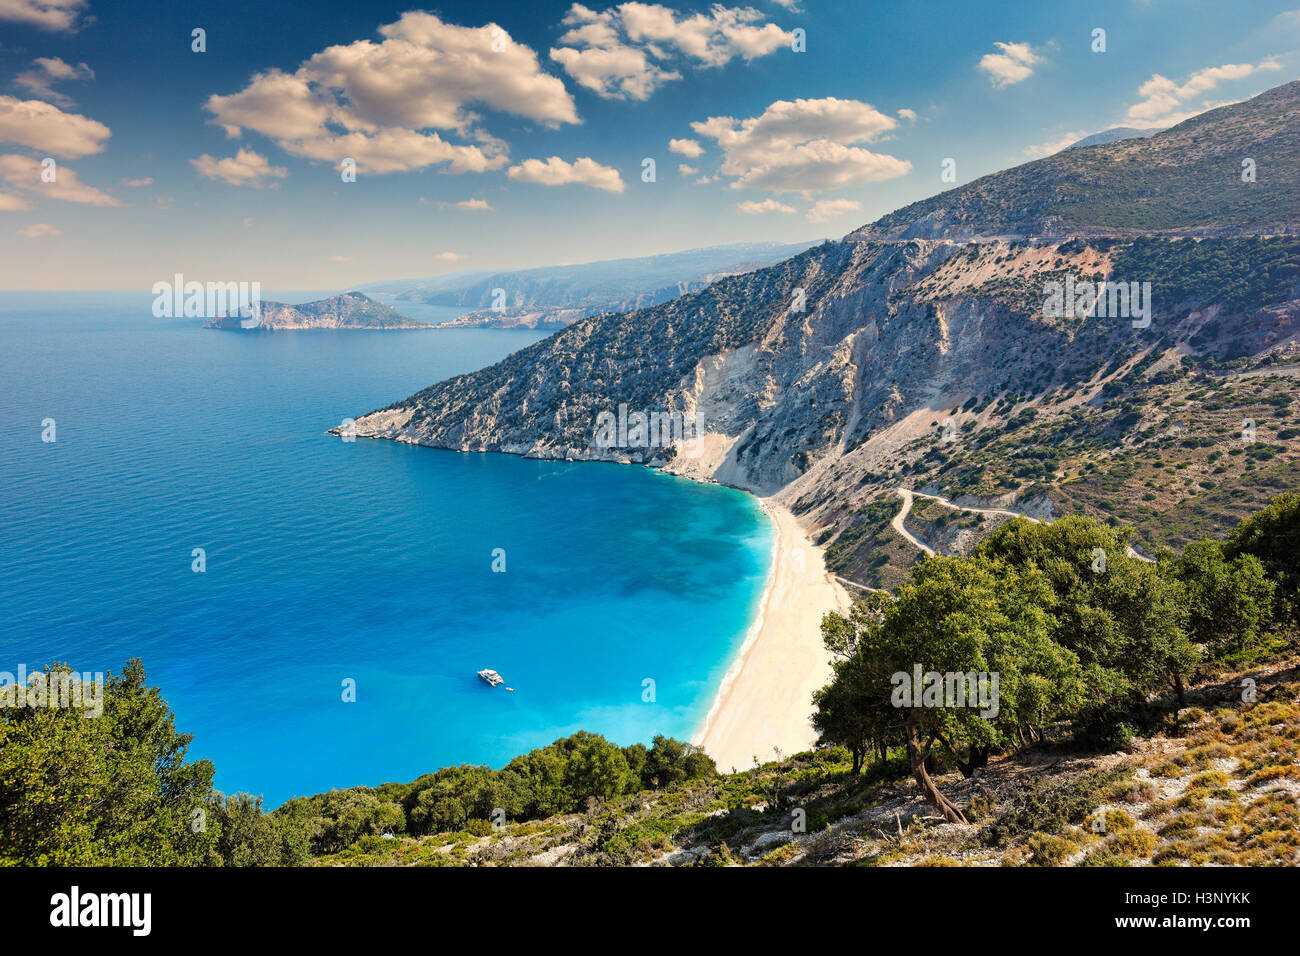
column 1079, row 632
column 1092, row 659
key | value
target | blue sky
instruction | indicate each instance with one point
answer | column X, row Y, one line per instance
column 225, row 165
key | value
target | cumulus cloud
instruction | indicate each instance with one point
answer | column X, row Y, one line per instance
column 751, row 208
column 40, row 230
column 386, row 104
column 558, row 172
column 686, row 147
column 1055, row 145
column 11, row 203
column 56, row 15
column 686, row 170
column 804, row 146
column 47, row 70
column 1016, row 62
column 1164, row 102
column 24, row 173
column 629, row 51
column 477, row 204
column 826, row 209
column 245, row 168
column 909, row 115
column 49, row 129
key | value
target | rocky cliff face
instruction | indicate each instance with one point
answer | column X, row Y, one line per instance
column 866, row 363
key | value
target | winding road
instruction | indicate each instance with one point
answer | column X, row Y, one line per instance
column 909, row 496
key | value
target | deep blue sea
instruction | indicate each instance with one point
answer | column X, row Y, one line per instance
column 328, row 560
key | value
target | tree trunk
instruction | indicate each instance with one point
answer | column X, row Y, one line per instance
column 1180, row 690
column 917, row 759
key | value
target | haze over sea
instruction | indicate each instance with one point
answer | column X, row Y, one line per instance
column 329, row 560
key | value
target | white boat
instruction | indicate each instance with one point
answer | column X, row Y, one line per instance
column 492, row 677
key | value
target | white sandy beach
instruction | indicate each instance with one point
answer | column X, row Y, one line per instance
column 765, row 700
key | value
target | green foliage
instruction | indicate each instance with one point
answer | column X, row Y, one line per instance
column 1273, row 536
column 111, row 790
column 1228, row 602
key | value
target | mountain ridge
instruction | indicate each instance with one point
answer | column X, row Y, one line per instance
column 856, row 366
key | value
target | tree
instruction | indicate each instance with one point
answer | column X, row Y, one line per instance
column 669, row 762
column 1118, row 614
column 958, row 623
column 107, row 790
column 1229, row 603
column 1273, row 536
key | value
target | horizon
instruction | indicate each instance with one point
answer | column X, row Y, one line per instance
column 755, row 129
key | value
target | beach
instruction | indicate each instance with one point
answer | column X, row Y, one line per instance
column 765, row 700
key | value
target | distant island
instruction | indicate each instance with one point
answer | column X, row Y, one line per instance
column 351, row 310
column 553, row 297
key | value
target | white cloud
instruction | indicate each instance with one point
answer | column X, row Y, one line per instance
column 687, row 147
column 751, row 208
column 826, row 209
column 47, row 70
column 245, row 168
column 477, row 204
column 687, row 170
column 48, row 129
column 382, row 103
column 11, row 203
column 1016, row 62
column 630, row 50
column 1055, row 145
column 24, row 173
column 804, row 146
column 1164, row 102
column 449, row 256
column 557, row 172
column 40, row 230
column 47, row 14
column 909, row 115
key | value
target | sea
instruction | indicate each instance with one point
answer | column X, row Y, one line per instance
column 315, row 610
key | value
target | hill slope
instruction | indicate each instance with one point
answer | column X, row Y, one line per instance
column 859, row 365
column 1186, row 180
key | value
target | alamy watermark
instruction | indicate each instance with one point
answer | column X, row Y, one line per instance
column 66, row 690
column 1084, row 297
column 208, row 300
column 973, row 689
column 649, row 430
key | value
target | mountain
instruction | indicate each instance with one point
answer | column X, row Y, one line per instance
column 1112, row 135
column 887, row 359
column 555, row 296
column 1186, row 180
column 351, row 310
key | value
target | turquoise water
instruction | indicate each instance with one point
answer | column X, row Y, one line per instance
column 328, row 561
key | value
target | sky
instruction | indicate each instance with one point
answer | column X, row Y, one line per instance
column 508, row 135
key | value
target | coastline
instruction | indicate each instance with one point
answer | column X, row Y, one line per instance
column 765, row 699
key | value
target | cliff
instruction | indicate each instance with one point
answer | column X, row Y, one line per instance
column 935, row 362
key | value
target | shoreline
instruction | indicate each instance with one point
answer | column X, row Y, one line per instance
column 764, row 702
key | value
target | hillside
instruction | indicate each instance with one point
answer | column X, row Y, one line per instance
column 931, row 363
column 351, row 310
column 1186, row 180
column 1215, row 784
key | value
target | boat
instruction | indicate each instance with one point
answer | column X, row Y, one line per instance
column 492, row 677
